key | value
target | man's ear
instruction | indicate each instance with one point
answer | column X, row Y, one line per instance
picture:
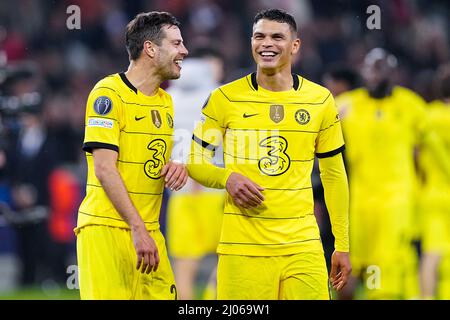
column 149, row 49
column 296, row 46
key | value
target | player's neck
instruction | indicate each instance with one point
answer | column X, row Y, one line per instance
column 142, row 78
column 381, row 90
column 277, row 81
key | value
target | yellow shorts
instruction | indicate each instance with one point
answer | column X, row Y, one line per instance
column 381, row 251
column 436, row 235
column 301, row 276
column 107, row 267
column 378, row 231
column 194, row 221
column 392, row 279
column 436, row 224
column 443, row 287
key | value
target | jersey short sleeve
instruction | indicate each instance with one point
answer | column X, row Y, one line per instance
column 102, row 127
column 329, row 141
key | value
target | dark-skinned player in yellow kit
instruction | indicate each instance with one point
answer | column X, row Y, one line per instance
column 272, row 124
column 384, row 124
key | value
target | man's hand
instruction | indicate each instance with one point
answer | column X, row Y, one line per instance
column 146, row 250
column 175, row 175
column 245, row 193
column 340, row 269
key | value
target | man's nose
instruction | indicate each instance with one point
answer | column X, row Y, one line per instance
column 184, row 51
column 267, row 42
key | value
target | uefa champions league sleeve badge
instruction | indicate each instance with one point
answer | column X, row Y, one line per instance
column 102, row 105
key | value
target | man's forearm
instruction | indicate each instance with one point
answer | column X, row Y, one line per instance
column 335, row 185
column 202, row 170
column 114, row 187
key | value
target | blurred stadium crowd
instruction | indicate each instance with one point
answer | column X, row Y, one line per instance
column 47, row 71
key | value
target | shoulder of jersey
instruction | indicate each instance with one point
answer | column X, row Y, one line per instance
column 313, row 91
column 437, row 110
column 349, row 100
column 165, row 94
column 353, row 94
column 112, row 82
column 436, row 104
column 406, row 93
column 235, row 90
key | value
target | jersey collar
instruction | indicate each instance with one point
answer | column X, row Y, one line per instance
column 295, row 81
column 127, row 82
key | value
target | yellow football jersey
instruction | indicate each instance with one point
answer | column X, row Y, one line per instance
column 272, row 138
column 439, row 117
column 380, row 135
column 140, row 128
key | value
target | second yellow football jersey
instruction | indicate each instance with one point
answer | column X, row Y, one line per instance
column 272, row 138
column 380, row 136
column 140, row 128
column 439, row 118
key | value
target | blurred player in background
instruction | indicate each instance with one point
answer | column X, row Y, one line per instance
column 435, row 193
column 382, row 125
column 273, row 123
column 195, row 213
column 128, row 141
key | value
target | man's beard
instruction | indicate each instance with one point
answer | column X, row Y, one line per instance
column 169, row 75
column 381, row 90
column 168, row 72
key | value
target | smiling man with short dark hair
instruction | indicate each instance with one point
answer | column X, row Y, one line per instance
column 273, row 124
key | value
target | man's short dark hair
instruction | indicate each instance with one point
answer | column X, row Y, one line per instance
column 339, row 72
column 278, row 16
column 147, row 27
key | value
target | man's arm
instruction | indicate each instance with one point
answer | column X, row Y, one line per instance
column 434, row 143
column 106, row 172
column 207, row 136
column 335, row 185
column 200, row 167
column 245, row 193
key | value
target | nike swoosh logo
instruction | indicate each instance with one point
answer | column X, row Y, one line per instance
column 140, row 118
column 249, row 115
